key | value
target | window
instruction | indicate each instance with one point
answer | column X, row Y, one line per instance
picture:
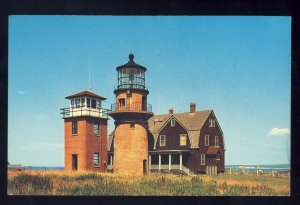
column 82, row 101
column 98, row 104
column 122, row 102
column 172, row 123
column 212, row 123
column 96, row 159
column 74, row 128
column 93, row 103
column 162, row 140
column 216, row 140
column 202, row 159
column 206, row 140
column 88, row 102
column 218, row 158
column 182, row 139
column 132, row 126
column 72, row 103
column 96, row 128
column 77, row 102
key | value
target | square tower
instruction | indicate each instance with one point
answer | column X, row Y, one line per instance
column 85, row 125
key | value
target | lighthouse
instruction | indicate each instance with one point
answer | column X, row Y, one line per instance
column 131, row 113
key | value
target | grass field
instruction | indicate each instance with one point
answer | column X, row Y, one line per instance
column 87, row 183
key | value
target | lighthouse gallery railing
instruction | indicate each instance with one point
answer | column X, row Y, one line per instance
column 134, row 106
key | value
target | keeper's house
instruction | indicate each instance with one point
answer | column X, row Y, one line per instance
column 190, row 142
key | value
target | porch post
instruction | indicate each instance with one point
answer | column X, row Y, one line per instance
column 111, row 160
column 170, row 161
column 180, row 161
column 149, row 161
column 159, row 161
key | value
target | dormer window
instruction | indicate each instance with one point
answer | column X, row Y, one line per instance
column 172, row 123
column 212, row 123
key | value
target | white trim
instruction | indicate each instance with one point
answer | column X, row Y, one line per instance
column 185, row 137
column 206, row 139
column 173, row 122
column 202, row 159
column 216, row 140
column 164, row 140
column 212, row 112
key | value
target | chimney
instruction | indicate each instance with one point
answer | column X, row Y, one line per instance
column 171, row 111
column 192, row 107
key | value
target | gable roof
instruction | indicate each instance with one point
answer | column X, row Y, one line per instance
column 193, row 122
column 86, row 93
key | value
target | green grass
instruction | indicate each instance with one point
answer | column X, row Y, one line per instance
column 61, row 183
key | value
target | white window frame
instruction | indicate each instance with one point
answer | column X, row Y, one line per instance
column 172, row 122
column 162, row 140
column 77, row 102
column 212, row 122
column 74, row 127
column 216, row 140
column 185, row 137
column 206, row 140
column 98, row 164
column 98, row 131
column 202, row 159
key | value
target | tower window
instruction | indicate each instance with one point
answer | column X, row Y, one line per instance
column 96, row 128
column 183, row 140
column 162, row 140
column 216, row 140
column 206, row 140
column 122, row 102
column 74, row 128
column 82, row 101
column 96, row 159
column 93, row 103
column 202, row 159
column 77, row 102
column 172, row 123
column 212, row 123
column 98, row 103
column 88, row 102
column 72, row 103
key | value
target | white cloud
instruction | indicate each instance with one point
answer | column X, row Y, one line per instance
column 279, row 132
column 42, row 146
column 21, row 92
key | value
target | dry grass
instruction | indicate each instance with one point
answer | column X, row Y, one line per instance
column 89, row 183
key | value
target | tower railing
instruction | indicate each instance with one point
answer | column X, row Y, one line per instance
column 134, row 106
column 131, row 85
column 84, row 111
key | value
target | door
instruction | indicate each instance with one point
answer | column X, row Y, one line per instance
column 74, row 162
column 144, row 166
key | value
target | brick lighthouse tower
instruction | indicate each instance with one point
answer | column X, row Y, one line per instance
column 85, row 132
column 131, row 113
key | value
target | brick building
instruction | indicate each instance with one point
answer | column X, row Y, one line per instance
column 85, row 125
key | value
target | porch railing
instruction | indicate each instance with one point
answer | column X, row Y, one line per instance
column 84, row 111
column 134, row 106
column 173, row 167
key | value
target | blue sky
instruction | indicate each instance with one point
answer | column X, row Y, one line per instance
column 238, row 66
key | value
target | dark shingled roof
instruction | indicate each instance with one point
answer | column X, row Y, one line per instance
column 131, row 64
column 86, row 93
column 193, row 122
column 213, row 150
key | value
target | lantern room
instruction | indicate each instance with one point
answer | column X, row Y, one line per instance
column 131, row 75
